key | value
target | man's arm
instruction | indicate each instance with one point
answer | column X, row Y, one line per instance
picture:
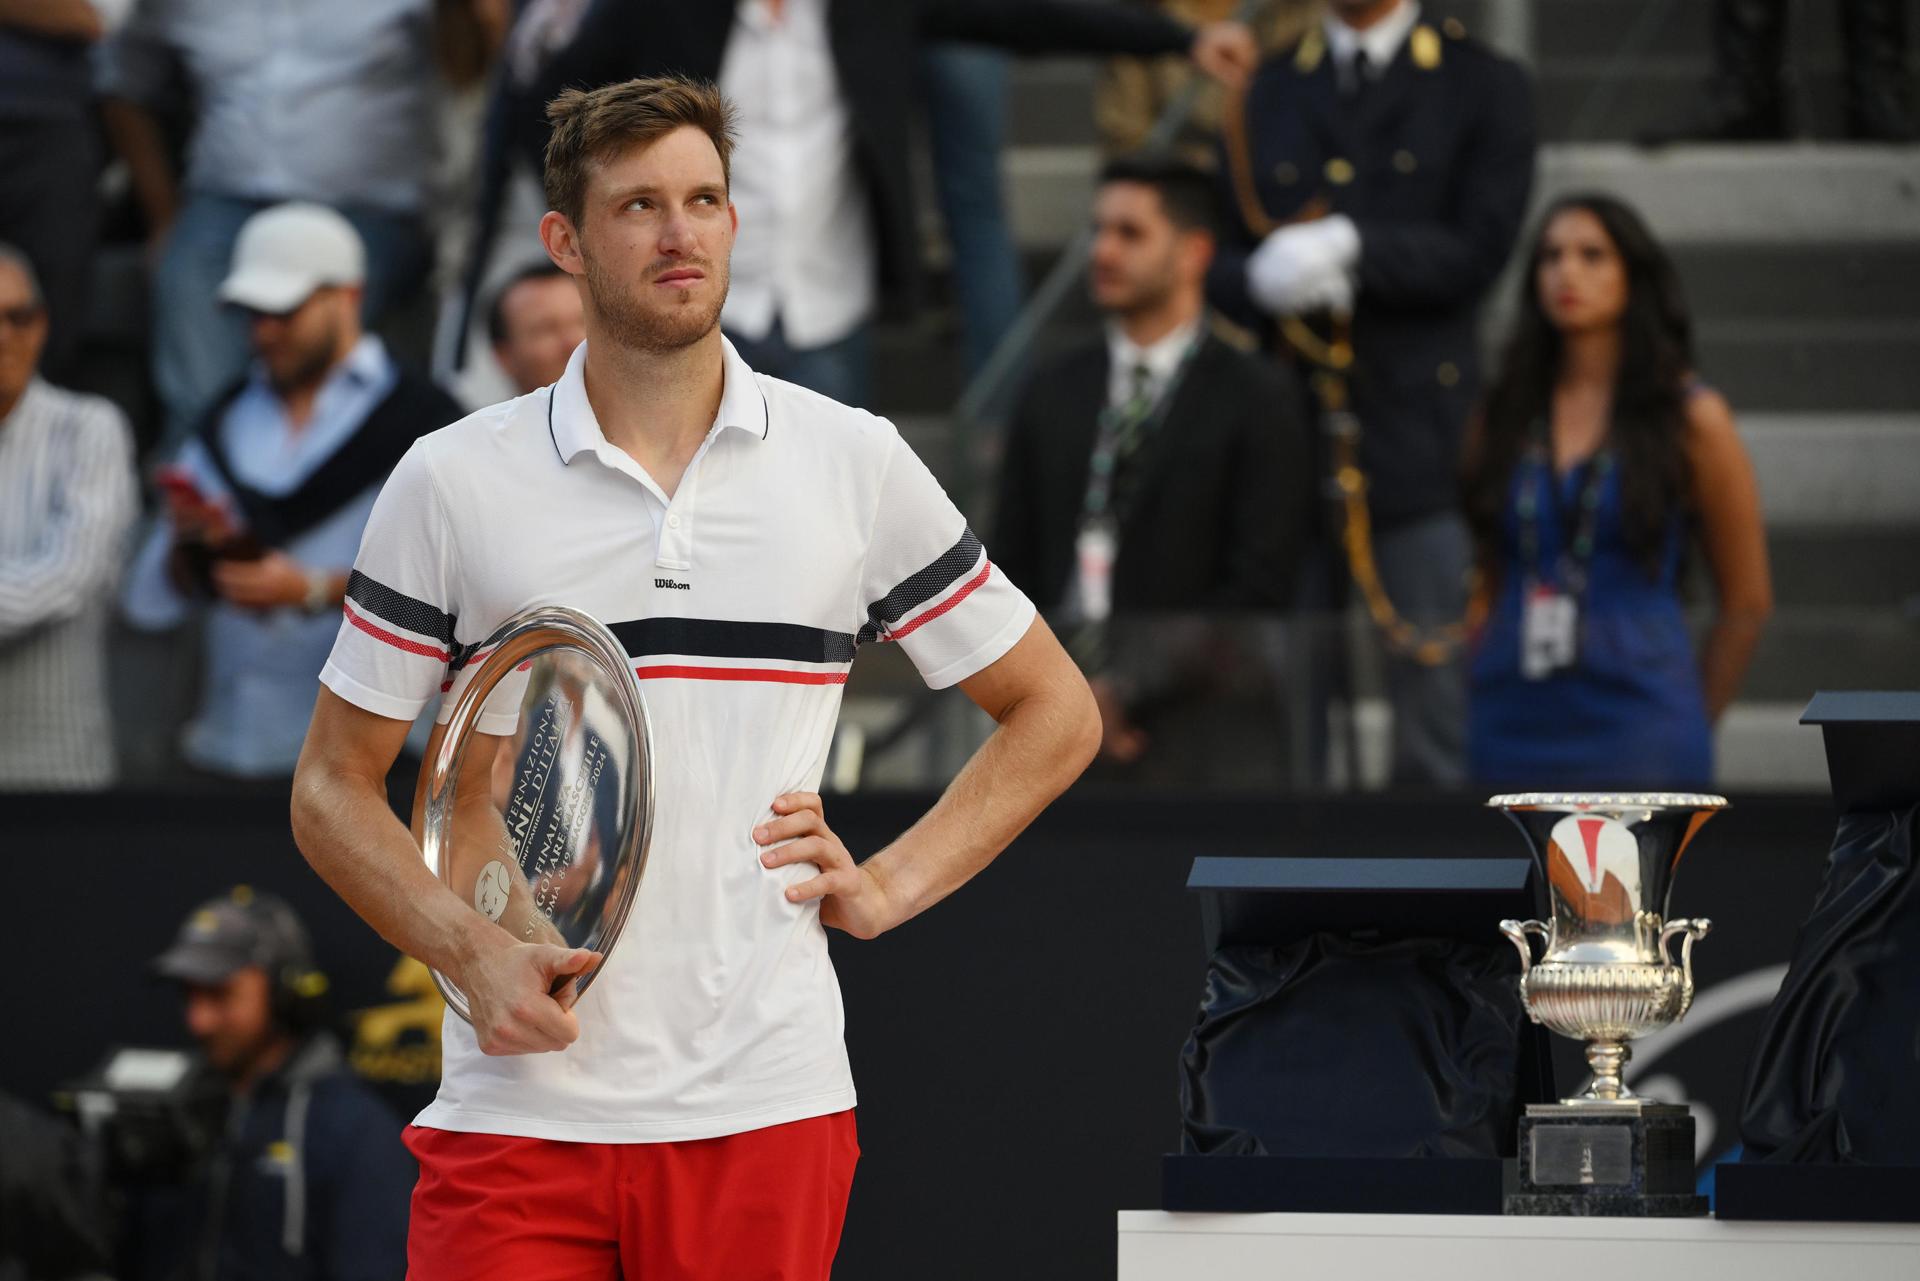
column 82, row 547
column 73, row 19
column 343, row 825
column 137, row 139
column 1049, row 729
column 1227, row 51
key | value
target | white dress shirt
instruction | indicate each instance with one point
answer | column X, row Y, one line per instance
column 806, row 252
column 307, row 101
column 1382, row 40
column 1160, row 358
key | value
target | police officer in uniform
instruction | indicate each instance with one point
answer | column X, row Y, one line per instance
column 1380, row 169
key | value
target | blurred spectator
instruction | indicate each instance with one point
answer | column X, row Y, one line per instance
column 1381, row 172
column 965, row 87
column 327, row 103
column 534, row 324
column 820, row 174
column 49, row 156
column 265, row 506
column 66, row 504
column 468, row 38
column 1748, row 98
column 1599, row 455
column 1133, row 92
column 1157, row 469
column 309, row 1179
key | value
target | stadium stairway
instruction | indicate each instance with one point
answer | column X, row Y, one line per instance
column 1802, row 264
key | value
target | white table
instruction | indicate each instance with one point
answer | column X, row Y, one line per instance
column 1157, row 1246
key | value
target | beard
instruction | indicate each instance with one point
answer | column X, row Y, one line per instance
column 306, row 366
column 668, row 327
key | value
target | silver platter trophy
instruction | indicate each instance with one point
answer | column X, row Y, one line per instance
column 1606, row 975
column 537, row 802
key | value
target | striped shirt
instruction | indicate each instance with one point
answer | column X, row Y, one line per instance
column 801, row 531
column 67, row 500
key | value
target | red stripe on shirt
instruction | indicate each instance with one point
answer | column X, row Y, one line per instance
column 398, row 642
column 966, row 590
column 775, row 674
column 472, row 661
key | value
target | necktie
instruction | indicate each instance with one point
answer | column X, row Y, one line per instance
column 1139, row 392
column 1359, row 74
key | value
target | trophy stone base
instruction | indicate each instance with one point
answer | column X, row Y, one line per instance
column 1606, row 1159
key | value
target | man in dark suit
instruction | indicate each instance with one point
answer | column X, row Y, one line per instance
column 1157, row 469
column 867, row 50
column 1380, row 169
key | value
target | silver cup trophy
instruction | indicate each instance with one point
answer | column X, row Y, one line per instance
column 1607, row 974
column 537, row 795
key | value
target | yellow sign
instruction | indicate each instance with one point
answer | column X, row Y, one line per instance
column 400, row 1042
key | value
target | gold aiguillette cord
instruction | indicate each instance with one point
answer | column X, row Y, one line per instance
column 1332, row 360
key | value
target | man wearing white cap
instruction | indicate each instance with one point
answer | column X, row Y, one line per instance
column 264, row 506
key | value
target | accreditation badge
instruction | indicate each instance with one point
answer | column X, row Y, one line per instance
column 1093, row 554
column 1549, row 631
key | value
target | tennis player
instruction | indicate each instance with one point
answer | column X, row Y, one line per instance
column 692, row 1118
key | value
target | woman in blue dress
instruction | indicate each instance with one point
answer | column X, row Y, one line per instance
column 1599, row 462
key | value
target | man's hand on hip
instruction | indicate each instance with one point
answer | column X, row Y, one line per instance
column 852, row 898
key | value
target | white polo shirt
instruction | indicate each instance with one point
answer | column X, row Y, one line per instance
column 801, row 530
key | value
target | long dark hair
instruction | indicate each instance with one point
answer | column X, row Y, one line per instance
column 1648, row 427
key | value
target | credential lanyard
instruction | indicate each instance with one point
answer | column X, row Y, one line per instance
column 1550, row 624
column 1577, row 528
column 1122, row 430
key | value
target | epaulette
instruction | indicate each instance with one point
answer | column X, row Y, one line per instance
column 1423, row 46
column 1311, row 49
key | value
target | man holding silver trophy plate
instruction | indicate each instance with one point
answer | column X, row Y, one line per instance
column 660, row 524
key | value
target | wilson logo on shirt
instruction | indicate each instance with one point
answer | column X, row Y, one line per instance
column 670, row 585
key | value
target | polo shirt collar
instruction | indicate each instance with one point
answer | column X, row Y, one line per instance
column 575, row 430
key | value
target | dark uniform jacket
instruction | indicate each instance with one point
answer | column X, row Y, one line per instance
column 875, row 51
column 1221, row 494
column 310, row 1183
column 1433, row 163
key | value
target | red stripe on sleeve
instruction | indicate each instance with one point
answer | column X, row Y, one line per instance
column 398, row 642
column 965, row 591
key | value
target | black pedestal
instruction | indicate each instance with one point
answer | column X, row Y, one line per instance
column 1613, row 1159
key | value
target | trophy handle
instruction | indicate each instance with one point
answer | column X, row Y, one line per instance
column 1693, row 930
column 1517, row 931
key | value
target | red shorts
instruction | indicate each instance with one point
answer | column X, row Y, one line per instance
column 766, row 1205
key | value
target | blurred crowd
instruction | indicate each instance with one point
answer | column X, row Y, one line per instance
column 249, row 253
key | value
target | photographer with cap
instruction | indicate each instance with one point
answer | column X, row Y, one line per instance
column 264, row 507
column 308, row 1178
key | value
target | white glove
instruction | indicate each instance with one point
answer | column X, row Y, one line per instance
column 1308, row 266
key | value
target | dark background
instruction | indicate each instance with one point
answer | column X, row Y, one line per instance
column 1015, row 1048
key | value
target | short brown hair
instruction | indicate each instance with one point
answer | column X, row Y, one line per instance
column 591, row 125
